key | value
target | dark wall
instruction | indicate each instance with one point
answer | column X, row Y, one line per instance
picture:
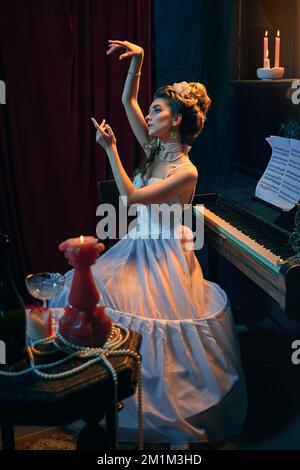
column 196, row 40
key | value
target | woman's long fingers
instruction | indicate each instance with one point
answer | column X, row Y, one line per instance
column 121, row 43
column 102, row 125
column 95, row 122
column 102, row 129
column 99, row 127
column 113, row 47
column 126, row 54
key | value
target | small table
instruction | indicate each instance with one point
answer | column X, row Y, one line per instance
column 31, row 400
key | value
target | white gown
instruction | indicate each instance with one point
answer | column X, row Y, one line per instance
column 193, row 385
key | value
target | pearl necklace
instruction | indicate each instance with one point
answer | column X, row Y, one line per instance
column 112, row 347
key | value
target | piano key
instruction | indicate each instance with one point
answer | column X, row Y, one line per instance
column 276, row 242
column 262, row 254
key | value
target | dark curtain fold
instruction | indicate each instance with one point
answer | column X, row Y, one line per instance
column 197, row 41
column 296, row 39
column 57, row 75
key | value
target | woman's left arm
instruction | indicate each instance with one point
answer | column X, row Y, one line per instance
column 180, row 181
column 106, row 138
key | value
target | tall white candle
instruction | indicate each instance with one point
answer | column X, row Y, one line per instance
column 267, row 61
column 266, row 45
column 277, row 49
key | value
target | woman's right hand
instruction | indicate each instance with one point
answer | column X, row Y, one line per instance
column 131, row 49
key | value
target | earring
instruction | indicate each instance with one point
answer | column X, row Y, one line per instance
column 173, row 132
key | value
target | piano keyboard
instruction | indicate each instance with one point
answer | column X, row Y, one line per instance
column 257, row 245
column 249, row 234
column 250, row 246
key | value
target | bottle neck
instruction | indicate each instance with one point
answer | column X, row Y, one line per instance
column 5, row 271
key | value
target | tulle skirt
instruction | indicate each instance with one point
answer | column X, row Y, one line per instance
column 193, row 384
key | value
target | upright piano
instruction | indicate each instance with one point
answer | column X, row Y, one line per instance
column 256, row 241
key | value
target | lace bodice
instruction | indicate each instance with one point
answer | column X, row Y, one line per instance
column 152, row 218
column 166, row 169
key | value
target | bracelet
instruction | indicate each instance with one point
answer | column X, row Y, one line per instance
column 137, row 74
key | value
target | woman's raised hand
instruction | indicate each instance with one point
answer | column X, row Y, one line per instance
column 130, row 48
column 104, row 135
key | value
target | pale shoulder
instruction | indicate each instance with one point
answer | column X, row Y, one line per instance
column 193, row 169
column 191, row 173
column 186, row 168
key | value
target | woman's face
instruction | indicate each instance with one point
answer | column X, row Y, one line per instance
column 159, row 119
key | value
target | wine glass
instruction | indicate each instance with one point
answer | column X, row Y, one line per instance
column 44, row 286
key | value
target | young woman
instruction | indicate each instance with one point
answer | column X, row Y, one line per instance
column 193, row 388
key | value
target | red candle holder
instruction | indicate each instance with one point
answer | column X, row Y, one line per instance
column 84, row 323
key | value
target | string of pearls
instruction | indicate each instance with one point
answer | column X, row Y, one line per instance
column 112, row 347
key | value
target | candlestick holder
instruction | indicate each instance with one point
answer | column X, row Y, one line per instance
column 270, row 74
column 84, row 322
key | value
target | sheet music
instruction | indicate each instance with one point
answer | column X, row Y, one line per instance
column 280, row 183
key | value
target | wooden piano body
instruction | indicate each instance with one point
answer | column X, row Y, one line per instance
column 255, row 241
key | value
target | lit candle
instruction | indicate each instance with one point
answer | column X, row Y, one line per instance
column 267, row 61
column 266, row 46
column 81, row 251
column 277, row 49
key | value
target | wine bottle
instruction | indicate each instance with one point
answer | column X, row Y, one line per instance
column 12, row 311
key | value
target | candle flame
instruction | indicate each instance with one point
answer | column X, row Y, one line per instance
column 81, row 238
column 278, row 34
column 266, row 33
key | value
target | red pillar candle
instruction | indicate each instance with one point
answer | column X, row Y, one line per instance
column 81, row 253
column 84, row 322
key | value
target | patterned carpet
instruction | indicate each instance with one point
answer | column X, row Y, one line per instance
column 61, row 439
column 47, row 439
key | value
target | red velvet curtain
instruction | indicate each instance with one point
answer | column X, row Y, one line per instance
column 57, row 75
